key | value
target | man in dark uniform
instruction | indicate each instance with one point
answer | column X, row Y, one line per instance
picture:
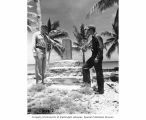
column 95, row 60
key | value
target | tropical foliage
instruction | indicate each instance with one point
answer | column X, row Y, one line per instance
column 33, row 15
column 81, row 40
column 112, row 41
column 102, row 5
column 53, row 33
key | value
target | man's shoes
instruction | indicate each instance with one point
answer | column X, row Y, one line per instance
column 95, row 88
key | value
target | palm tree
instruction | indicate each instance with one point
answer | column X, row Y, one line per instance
column 82, row 40
column 38, row 13
column 114, row 36
column 54, row 34
column 102, row 5
column 33, row 18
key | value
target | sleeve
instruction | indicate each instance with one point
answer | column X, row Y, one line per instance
column 33, row 42
column 100, row 40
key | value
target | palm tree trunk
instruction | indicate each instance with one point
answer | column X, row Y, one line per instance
column 49, row 55
column 83, row 57
column 38, row 13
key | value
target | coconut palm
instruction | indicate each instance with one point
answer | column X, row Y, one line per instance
column 81, row 40
column 53, row 34
column 33, row 18
column 112, row 41
column 102, row 5
column 38, row 13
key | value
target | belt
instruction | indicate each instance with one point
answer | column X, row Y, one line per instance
column 42, row 48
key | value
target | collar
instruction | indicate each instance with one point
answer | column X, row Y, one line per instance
column 95, row 34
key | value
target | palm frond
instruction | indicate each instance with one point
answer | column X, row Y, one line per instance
column 95, row 6
column 58, row 44
column 44, row 29
column 56, row 41
column 32, row 28
column 29, row 29
column 115, row 29
column 106, row 33
column 115, row 25
column 55, row 25
column 111, row 49
column 31, row 21
column 49, row 25
column 116, row 20
column 77, row 35
column 55, row 34
column 76, row 30
column 31, row 14
column 104, row 4
column 118, row 47
column 59, row 49
column 109, row 41
column 101, row 5
column 82, row 31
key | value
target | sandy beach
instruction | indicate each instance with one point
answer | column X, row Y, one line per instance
column 64, row 94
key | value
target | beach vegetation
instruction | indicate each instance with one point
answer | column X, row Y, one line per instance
column 54, row 33
column 81, row 43
column 113, row 38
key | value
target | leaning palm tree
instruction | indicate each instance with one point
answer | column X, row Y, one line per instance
column 112, row 41
column 54, row 34
column 81, row 40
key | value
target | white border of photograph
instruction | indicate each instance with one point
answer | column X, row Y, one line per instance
column 14, row 60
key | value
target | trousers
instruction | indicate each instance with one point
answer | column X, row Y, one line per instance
column 40, row 64
column 97, row 63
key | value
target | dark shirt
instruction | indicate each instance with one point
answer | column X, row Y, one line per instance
column 97, row 47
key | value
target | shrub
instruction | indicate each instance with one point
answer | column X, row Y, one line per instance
column 75, row 95
column 86, row 91
column 45, row 106
column 63, row 92
column 37, row 88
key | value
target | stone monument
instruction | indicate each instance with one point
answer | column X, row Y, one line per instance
column 67, row 44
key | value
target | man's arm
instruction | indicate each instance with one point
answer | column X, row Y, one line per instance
column 100, row 41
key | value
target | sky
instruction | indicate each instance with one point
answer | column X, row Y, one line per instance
column 73, row 12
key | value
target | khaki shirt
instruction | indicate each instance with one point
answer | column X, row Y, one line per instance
column 38, row 41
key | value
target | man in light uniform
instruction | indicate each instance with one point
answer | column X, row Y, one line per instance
column 39, row 45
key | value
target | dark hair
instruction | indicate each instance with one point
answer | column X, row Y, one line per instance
column 92, row 28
